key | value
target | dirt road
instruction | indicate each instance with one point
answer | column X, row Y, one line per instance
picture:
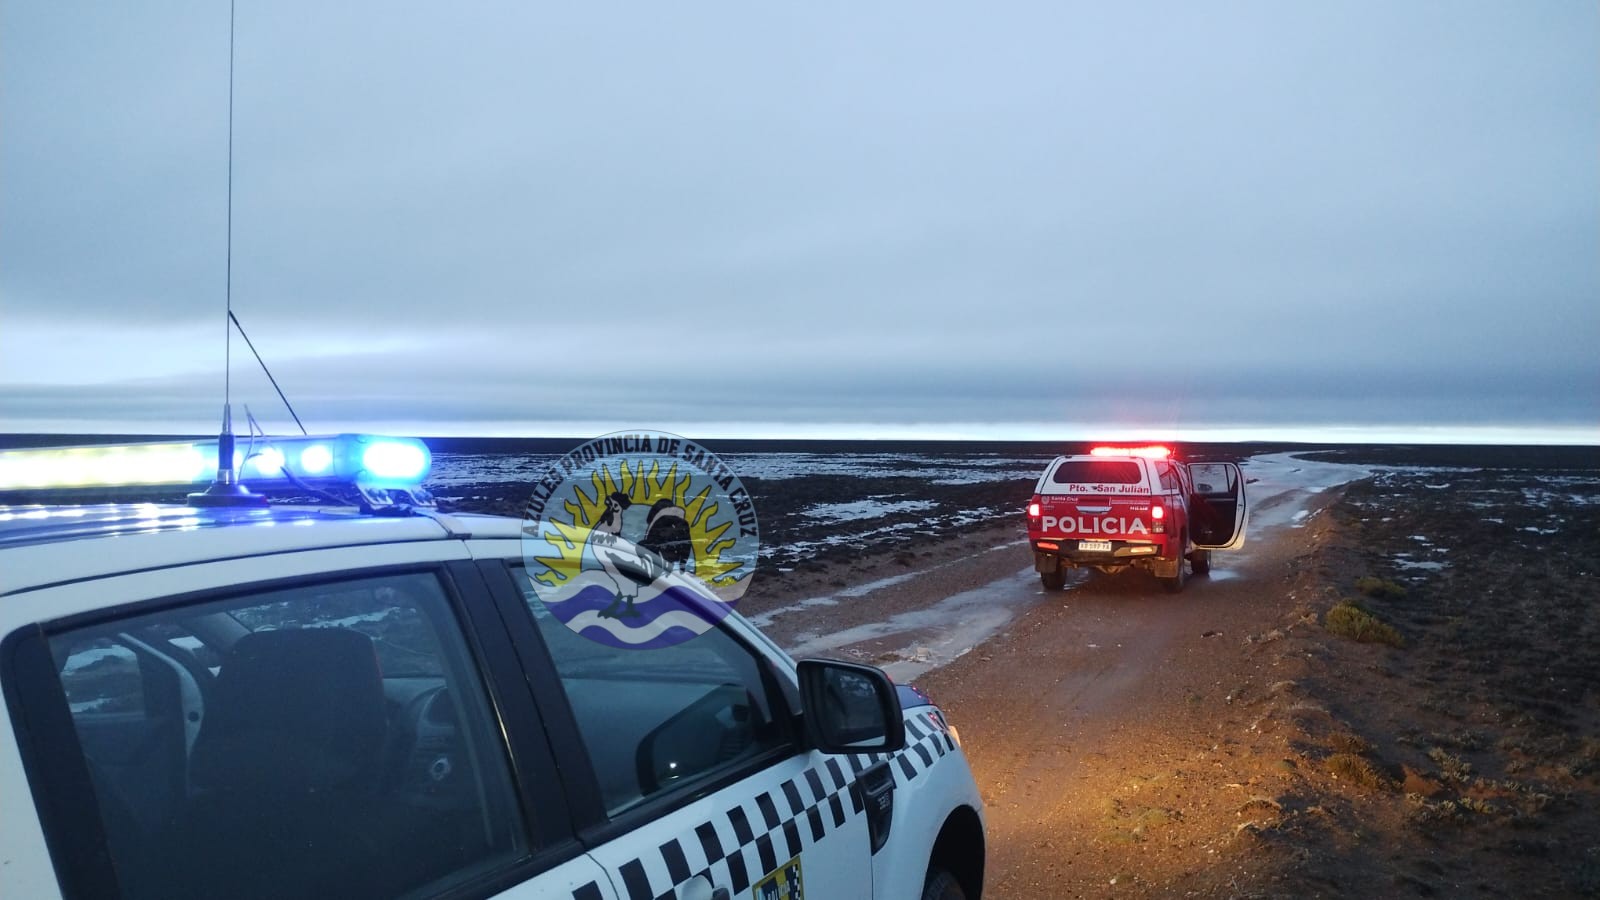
column 1110, row 730
column 1107, row 724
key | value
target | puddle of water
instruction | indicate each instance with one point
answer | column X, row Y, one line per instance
column 945, row 630
column 860, row 590
column 765, row 619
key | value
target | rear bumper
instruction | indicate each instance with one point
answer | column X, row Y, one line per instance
column 1122, row 553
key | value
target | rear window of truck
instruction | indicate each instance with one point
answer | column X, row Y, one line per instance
column 1098, row 471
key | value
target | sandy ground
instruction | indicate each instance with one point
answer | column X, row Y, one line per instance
column 1223, row 742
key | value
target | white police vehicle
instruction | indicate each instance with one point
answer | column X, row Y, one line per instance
column 368, row 701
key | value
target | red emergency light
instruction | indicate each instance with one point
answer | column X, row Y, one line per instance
column 1154, row 451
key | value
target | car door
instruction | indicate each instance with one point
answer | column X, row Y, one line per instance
column 362, row 729
column 1218, row 512
column 700, row 786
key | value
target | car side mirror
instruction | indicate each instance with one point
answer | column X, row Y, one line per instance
column 850, row 708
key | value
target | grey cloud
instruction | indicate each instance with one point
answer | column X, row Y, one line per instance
column 1342, row 213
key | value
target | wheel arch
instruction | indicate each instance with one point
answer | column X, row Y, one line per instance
column 959, row 849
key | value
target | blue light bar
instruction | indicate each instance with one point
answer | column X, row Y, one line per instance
column 270, row 463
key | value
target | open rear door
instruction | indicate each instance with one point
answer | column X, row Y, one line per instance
column 1217, row 508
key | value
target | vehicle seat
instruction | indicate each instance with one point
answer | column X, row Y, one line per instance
column 285, row 768
column 298, row 711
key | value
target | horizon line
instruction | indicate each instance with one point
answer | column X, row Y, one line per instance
column 1441, row 435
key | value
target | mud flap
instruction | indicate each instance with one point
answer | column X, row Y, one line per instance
column 1045, row 562
column 1165, row 568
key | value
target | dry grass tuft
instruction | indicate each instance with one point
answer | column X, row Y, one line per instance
column 1451, row 767
column 1348, row 620
column 1260, row 802
column 1346, row 742
column 1358, row 770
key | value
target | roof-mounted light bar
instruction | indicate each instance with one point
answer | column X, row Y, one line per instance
column 360, row 461
column 1154, row 451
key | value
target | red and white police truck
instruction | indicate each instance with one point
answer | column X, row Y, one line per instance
column 1116, row 508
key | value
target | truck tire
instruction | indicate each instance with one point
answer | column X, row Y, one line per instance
column 941, row 885
column 1201, row 560
column 1054, row 581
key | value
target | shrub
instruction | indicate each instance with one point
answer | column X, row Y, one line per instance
column 1358, row 771
column 1452, row 767
column 1380, row 588
column 1348, row 620
column 1345, row 742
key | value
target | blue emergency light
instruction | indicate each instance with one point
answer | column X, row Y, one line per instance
column 270, row 464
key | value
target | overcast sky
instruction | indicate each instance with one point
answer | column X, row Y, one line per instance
column 1317, row 220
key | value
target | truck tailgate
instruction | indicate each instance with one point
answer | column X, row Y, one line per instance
column 1090, row 517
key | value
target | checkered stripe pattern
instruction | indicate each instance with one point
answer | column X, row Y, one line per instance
column 740, row 845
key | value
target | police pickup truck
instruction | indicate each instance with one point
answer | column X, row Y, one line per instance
column 1117, row 508
column 367, row 701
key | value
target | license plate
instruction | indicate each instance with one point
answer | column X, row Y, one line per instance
column 1094, row 546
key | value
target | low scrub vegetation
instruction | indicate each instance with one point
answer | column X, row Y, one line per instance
column 1452, row 767
column 1348, row 620
column 1379, row 588
column 1359, row 771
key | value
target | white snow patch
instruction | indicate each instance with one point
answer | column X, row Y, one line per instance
column 870, row 508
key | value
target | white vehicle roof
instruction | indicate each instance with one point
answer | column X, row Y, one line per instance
column 42, row 545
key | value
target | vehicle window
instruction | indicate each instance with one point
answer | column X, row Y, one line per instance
column 1212, row 478
column 321, row 740
column 662, row 718
column 1098, row 471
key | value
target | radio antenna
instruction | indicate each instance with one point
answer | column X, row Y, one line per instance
column 227, row 288
column 226, row 489
column 263, row 363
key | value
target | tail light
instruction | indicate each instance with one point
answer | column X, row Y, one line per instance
column 1033, row 510
column 1158, row 519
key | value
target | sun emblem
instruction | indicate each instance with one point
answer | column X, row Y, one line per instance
column 640, row 539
